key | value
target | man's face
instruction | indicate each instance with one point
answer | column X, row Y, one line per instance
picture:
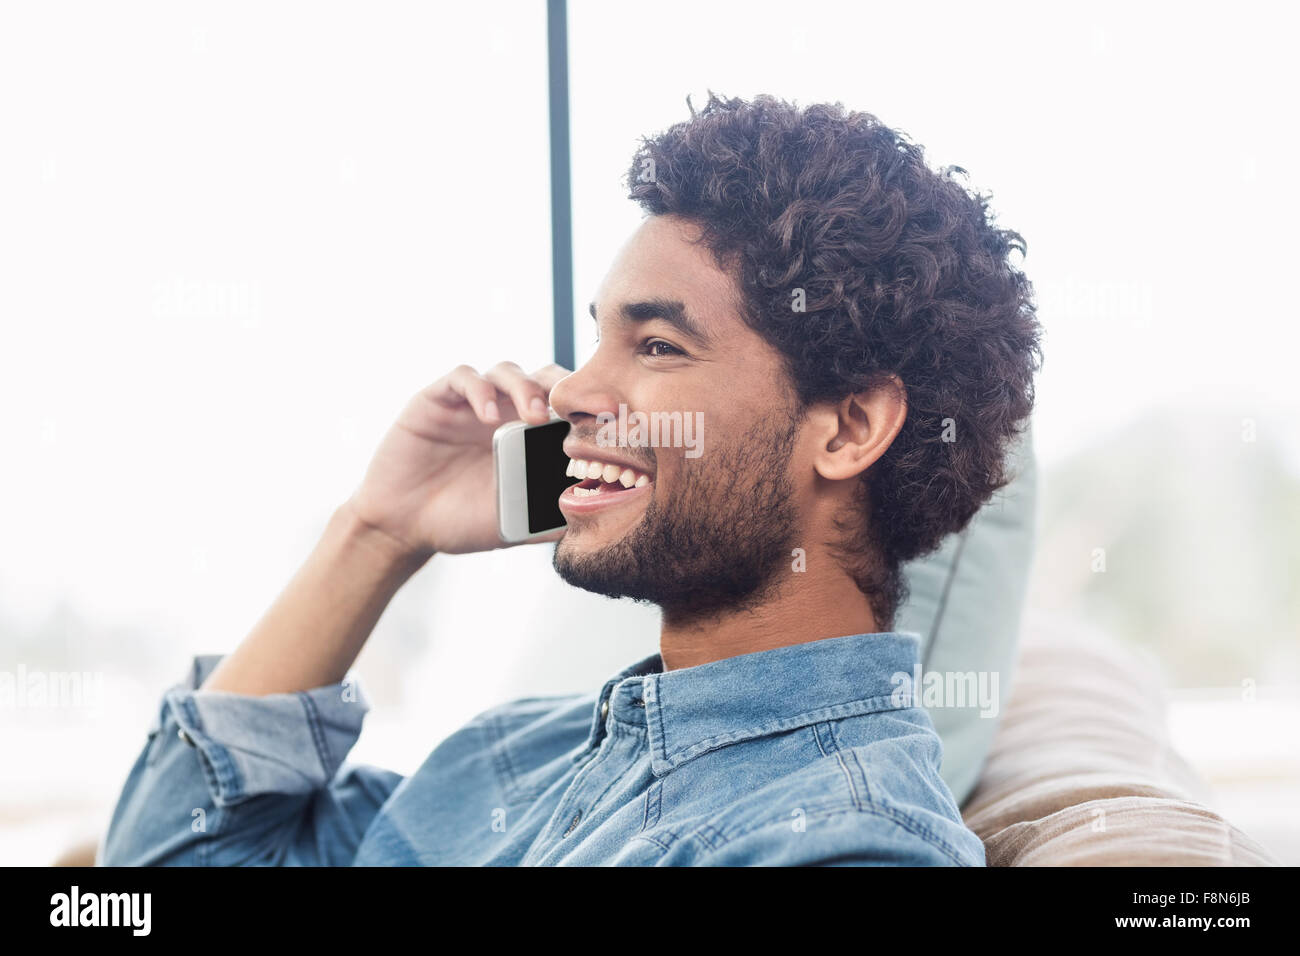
column 707, row 531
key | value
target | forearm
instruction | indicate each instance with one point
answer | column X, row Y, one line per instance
column 314, row 631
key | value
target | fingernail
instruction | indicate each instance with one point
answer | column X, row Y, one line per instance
column 539, row 406
column 492, row 411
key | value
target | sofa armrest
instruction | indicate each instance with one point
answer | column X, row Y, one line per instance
column 1081, row 771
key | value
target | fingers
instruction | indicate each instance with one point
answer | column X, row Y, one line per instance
column 502, row 393
column 465, row 385
column 526, row 393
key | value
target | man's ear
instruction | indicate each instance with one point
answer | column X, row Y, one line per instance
column 860, row 428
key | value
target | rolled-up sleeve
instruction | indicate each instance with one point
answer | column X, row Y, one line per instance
column 229, row 779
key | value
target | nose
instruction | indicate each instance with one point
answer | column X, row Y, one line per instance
column 584, row 394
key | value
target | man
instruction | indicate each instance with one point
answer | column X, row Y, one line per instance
column 850, row 329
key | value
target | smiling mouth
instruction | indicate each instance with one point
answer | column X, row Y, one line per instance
column 600, row 478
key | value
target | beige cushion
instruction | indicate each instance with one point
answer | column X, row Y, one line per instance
column 1081, row 772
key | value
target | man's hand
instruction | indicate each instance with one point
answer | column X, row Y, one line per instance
column 431, row 486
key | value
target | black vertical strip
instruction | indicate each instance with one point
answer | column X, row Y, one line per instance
column 557, row 31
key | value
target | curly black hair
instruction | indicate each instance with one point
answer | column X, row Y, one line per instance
column 902, row 271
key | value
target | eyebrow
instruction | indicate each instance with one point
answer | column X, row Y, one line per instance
column 668, row 310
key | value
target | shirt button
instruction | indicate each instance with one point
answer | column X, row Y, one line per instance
column 573, row 823
column 184, row 736
column 604, row 709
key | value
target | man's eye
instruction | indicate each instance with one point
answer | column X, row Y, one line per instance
column 658, row 348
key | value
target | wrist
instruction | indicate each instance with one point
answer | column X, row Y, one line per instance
column 390, row 555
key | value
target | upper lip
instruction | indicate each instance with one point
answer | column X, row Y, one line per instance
column 581, row 452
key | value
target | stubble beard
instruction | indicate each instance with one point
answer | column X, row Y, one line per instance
column 719, row 545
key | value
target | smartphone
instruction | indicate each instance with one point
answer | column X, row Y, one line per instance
column 530, row 465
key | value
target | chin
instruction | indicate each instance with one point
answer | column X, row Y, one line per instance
column 586, row 535
column 585, row 541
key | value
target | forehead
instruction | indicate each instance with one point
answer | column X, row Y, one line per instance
column 661, row 260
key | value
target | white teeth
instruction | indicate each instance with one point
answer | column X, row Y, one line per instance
column 609, row 474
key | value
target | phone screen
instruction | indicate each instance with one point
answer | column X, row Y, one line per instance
column 544, row 466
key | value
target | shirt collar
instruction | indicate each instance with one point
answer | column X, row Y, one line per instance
column 692, row 710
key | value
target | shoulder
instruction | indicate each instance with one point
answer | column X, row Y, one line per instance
column 866, row 800
column 870, row 835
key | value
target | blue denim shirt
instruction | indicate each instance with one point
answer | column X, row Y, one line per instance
column 800, row 755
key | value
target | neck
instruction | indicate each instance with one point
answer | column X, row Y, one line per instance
column 806, row 607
